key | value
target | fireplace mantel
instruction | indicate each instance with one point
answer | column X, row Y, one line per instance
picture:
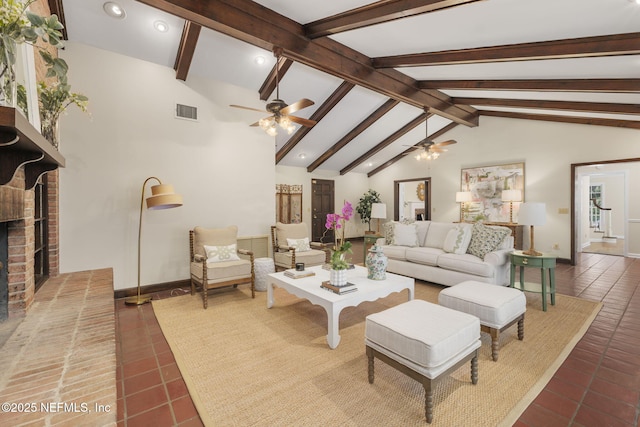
column 22, row 145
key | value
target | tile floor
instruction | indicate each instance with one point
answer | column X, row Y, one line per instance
column 598, row 384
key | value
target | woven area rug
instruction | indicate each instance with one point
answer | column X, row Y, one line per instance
column 247, row 365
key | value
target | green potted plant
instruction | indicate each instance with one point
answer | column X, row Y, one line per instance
column 18, row 25
column 56, row 97
column 364, row 207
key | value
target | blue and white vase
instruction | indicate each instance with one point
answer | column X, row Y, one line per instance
column 376, row 263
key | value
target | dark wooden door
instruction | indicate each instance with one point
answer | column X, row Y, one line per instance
column 322, row 195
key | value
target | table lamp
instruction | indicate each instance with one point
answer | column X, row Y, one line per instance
column 511, row 196
column 162, row 197
column 463, row 197
column 379, row 211
column 532, row 214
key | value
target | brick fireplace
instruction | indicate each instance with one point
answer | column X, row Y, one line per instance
column 17, row 232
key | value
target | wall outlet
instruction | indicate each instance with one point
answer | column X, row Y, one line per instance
column 556, row 246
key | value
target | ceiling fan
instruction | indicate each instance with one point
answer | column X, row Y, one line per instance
column 429, row 149
column 281, row 112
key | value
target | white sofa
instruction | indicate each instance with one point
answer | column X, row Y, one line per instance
column 430, row 251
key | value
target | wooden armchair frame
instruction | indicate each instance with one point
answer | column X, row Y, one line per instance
column 277, row 247
column 204, row 282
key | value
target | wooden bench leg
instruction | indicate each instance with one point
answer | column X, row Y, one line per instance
column 370, row 364
column 474, row 368
column 428, row 399
column 521, row 328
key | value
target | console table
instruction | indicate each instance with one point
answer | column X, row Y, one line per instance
column 546, row 263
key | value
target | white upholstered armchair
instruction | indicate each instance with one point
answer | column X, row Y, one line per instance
column 216, row 262
column 291, row 245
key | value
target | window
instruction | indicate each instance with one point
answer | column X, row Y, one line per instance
column 41, row 232
column 595, row 195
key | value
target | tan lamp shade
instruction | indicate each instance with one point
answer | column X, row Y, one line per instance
column 163, row 197
column 463, row 196
column 511, row 195
column 379, row 210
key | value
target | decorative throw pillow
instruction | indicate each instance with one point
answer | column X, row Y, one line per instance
column 405, row 235
column 301, row 245
column 387, row 227
column 458, row 239
column 221, row 253
column 486, row 239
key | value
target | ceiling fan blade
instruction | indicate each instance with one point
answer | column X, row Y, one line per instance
column 444, row 143
column 304, row 122
column 246, row 108
column 434, row 149
column 298, row 105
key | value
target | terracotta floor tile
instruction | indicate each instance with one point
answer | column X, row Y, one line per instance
column 145, row 400
column 590, row 417
column 136, row 383
column 183, row 409
column 177, row 388
column 557, row 403
column 568, row 390
column 611, row 406
column 139, row 366
column 156, row 417
column 538, row 416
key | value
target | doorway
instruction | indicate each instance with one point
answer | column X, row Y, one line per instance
column 412, row 199
column 614, row 230
column 322, row 203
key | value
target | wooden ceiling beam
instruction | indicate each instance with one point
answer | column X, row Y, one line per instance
column 559, row 85
column 387, row 141
column 376, row 13
column 592, row 107
column 402, row 155
column 279, row 69
column 317, row 115
column 56, row 8
column 373, row 117
column 252, row 23
column 631, row 124
column 585, row 47
column 188, row 42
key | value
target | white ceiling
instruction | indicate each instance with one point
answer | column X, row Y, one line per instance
column 483, row 23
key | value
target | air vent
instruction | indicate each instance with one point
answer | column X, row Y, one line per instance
column 186, row 112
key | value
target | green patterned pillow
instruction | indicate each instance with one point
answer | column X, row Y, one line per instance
column 388, row 228
column 486, row 239
column 458, row 239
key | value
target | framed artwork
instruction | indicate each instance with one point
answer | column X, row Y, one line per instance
column 486, row 184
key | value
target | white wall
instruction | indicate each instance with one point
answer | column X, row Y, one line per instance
column 548, row 150
column 222, row 167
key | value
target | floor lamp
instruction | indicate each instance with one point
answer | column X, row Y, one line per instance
column 379, row 211
column 532, row 214
column 162, row 197
column 463, row 197
column 511, row 196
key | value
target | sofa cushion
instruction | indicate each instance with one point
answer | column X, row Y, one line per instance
column 437, row 233
column 458, row 239
column 213, row 237
column 422, row 227
column 290, row 231
column 427, row 256
column 485, row 239
column 395, row 252
column 404, row 235
column 466, row 263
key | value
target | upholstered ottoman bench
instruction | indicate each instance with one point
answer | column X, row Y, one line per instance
column 424, row 341
column 497, row 307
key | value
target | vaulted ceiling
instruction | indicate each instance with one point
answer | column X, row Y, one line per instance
column 377, row 70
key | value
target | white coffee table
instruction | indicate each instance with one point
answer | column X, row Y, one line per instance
column 309, row 289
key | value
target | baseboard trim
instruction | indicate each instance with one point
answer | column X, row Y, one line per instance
column 151, row 289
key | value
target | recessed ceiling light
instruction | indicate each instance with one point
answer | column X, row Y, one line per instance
column 302, row 156
column 635, row 1
column 259, row 60
column 369, row 164
column 114, row 10
column 161, row 26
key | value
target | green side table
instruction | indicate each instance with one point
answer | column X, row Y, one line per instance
column 369, row 240
column 546, row 263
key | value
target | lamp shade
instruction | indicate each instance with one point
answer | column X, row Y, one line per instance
column 163, row 197
column 379, row 210
column 511, row 195
column 463, row 196
column 532, row 213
